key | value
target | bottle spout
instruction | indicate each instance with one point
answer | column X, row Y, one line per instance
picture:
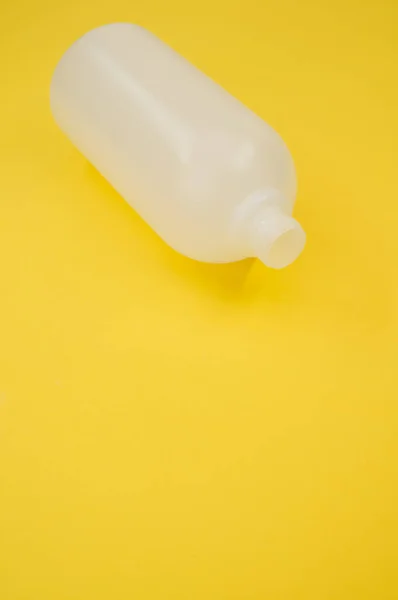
column 276, row 238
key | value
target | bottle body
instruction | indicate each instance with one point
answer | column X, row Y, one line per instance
column 195, row 163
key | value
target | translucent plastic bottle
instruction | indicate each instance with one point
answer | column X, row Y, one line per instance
column 211, row 178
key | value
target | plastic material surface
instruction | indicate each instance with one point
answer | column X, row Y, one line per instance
column 213, row 180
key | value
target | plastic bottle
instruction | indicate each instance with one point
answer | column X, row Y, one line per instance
column 212, row 179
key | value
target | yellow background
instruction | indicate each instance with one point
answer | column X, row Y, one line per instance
column 174, row 430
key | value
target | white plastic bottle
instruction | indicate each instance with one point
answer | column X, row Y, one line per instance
column 213, row 180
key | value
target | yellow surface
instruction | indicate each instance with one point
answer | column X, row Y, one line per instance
column 172, row 430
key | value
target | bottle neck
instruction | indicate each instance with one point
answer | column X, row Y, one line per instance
column 276, row 238
column 270, row 233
